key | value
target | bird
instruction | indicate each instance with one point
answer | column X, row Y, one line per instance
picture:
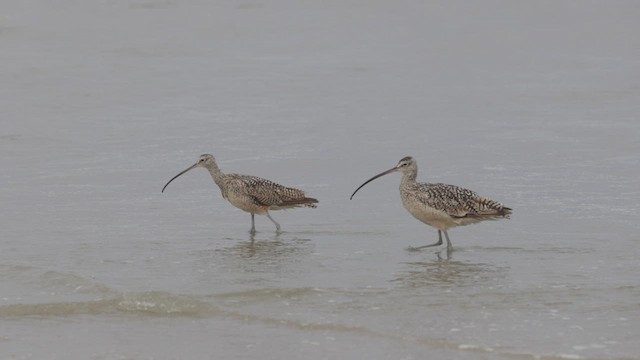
column 252, row 194
column 441, row 206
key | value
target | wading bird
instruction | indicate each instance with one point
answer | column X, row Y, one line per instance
column 441, row 206
column 250, row 193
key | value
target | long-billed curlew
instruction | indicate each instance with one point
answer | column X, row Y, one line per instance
column 251, row 193
column 440, row 205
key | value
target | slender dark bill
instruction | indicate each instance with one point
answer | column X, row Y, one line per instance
column 173, row 178
column 373, row 178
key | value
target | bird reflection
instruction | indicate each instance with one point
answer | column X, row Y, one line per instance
column 273, row 253
column 448, row 253
column 444, row 271
column 272, row 247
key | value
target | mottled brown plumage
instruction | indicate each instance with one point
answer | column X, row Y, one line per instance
column 250, row 193
column 439, row 205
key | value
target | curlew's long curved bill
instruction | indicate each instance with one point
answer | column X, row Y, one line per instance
column 373, row 178
column 182, row 172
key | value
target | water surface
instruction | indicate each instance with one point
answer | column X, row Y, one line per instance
column 532, row 104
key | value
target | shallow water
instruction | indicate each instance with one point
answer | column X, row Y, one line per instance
column 532, row 104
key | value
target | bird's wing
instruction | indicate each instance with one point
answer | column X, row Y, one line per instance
column 456, row 201
column 263, row 191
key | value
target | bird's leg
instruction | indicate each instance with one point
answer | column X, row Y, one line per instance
column 449, row 246
column 426, row 246
column 253, row 224
column 277, row 225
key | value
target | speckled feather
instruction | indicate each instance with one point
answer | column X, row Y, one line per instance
column 455, row 201
column 265, row 192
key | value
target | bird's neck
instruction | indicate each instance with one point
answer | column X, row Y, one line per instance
column 216, row 173
column 409, row 178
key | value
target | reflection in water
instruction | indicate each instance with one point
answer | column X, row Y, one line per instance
column 447, row 252
column 266, row 250
column 259, row 249
column 275, row 254
column 444, row 271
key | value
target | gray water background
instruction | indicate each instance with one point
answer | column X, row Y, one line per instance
column 532, row 103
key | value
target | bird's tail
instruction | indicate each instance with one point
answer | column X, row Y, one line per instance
column 294, row 203
column 505, row 211
column 496, row 213
column 491, row 209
